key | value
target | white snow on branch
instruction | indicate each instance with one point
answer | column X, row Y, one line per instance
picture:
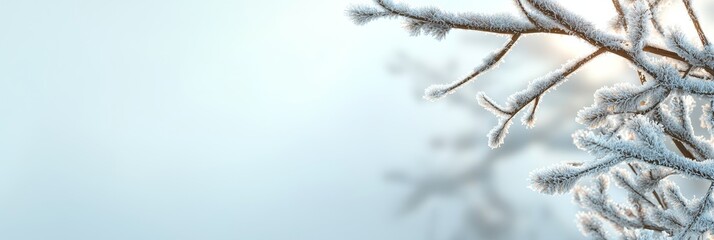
column 627, row 125
column 561, row 178
column 577, row 24
column 434, row 92
column 361, row 14
column 437, row 22
column 637, row 31
column 536, row 88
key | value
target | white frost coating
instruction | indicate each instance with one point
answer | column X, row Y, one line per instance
column 682, row 45
column 707, row 118
column 624, row 95
column 674, row 197
column 591, row 225
column 619, row 22
column 505, row 118
column 600, row 146
column 646, row 131
column 529, row 118
column 519, row 100
column 431, row 19
column 668, row 77
column 576, row 24
column 537, row 19
column 361, row 14
column 417, row 27
column 496, row 22
column 681, row 108
column 695, row 86
column 651, row 177
column 676, row 122
column 596, row 144
column 637, row 31
column 602, row 182
column 544, row 84
column 434, row 92
column 655, row 7
column 651, row 235
column 699, row 216
column 488, row 104
column 601, row 204
column 622, row 179
column 621, row 98
column 628, row 124
column 555, row 179
column 561, row 178
column 497, row 135
column 594, row 116
column 437, row 91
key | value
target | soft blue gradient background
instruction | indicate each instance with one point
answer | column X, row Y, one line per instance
column 196, row 120
column 251, row 120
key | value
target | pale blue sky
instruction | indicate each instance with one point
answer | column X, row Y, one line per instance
column 195, row 120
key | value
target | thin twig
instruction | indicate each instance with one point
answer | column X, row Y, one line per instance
column 496, row 58
column 695, row 21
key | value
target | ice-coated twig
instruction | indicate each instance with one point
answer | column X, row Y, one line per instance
column 704, row 206
column 652, row 150
column 576, row 25
column 361, row 14
column 695, row 21
column 497, row 23
column 521, row 99
column 561, row 178
column 435, row 19
column 654, row 6
column 620, row 19
column 437, row 91
column 637, row 31
column 620, row 99
column 591, row 226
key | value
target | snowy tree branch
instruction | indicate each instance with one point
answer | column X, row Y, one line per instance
column 626, row 126
column 437, row 91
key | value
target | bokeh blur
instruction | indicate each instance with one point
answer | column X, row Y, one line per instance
column 265, row 120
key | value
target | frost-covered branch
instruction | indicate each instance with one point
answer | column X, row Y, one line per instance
column 437, row 23
column 437, row 91
column 695, row 21
column 628, row 126
column 699, row 219
column 519, row 100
